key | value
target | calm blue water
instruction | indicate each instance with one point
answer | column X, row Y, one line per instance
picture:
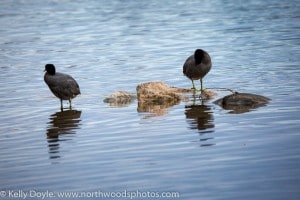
column 199, row 151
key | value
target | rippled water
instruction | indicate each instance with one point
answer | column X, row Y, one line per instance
column 194, row 148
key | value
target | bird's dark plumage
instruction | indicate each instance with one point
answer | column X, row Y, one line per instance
column 63, row 86
column 197, row 66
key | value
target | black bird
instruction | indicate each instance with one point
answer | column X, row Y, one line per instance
column 63, row 86
column 197, row 66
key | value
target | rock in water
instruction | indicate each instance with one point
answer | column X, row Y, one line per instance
column 120, row 98
column 159, row 92
column 242, row 102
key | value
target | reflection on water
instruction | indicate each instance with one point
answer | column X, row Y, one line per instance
column 120, row 104
column 200, row 116
column 239, row 109
column 154, row 108
column 64, row 122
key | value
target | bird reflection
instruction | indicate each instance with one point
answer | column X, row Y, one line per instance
column 200, row 117
column 61, row 123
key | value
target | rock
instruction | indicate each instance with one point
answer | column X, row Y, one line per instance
column 159, row 92
column 242, row 102
column 120, row 98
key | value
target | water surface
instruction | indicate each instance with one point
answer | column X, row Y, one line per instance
column 195, row 147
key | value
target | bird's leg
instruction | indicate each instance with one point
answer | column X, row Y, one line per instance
column 70, row 102
column 193, row 88
column 194, row 97
column 61, row 105
column 201, row 85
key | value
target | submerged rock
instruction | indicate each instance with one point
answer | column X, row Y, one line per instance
column 242, row 102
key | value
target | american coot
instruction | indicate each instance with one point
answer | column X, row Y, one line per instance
column 197, row 66
column 63, row 86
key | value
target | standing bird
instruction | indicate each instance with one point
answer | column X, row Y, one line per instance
column 63, row 86
column 197, row 66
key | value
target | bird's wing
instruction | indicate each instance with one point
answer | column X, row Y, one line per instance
column 73, row 85
column 189, row 61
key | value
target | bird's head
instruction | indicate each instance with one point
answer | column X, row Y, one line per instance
column 50, row 69
column 198, row 55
